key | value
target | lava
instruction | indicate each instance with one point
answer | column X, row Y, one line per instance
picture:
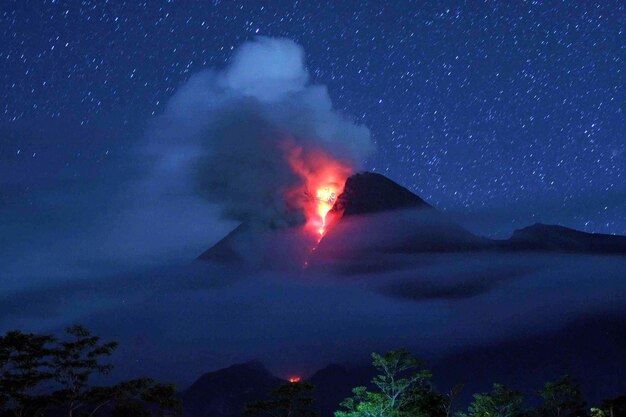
column 294, row 379
column 322, row 181
column 325, row 199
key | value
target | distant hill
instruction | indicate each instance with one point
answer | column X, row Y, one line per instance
column 543, row 237
column 334, row 383
column 224, row 393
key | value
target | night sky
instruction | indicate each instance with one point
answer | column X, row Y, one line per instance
column 509, row 109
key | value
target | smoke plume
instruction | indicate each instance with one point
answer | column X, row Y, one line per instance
column 232, row 131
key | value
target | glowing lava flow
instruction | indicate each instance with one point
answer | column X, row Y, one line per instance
column 325, row 198
column 323, row 179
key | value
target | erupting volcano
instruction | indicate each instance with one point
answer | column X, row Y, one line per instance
column 372, row 216
column 317, row 181
column 322, row 181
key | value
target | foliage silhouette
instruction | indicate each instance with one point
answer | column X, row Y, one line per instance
column 292, row 399
column 41, row 375
column 562, row 398
column 499, row 402
column 400, row 388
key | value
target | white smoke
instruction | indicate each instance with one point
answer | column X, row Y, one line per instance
column 227, row 130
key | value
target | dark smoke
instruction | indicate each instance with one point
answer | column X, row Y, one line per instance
column 227, row 129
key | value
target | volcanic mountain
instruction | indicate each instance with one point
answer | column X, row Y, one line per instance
column 375, row 215
column 367, row 193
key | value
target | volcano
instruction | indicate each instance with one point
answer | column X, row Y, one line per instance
column 374, row 216
column 367, row 193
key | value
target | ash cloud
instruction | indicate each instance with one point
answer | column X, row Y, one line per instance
column 228, row 131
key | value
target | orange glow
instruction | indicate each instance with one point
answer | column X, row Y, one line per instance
column 323, row 179
column 325, row 198
column 294, row 379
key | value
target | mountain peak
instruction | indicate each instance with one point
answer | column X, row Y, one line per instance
column 369, row 192
column 248, row 370
column 226, row 391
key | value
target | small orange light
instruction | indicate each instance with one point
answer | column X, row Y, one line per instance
column 294, row 379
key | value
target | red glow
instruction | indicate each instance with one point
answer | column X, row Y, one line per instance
column 294, row 379
column 323, row 179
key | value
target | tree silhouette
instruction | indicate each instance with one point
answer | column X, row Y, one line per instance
column 450, row 397
column 499, row 402
column 42, row 375
column 615, row 407
column 74, row 362
column 292, row 399
column 562, row 398
column 24, row 362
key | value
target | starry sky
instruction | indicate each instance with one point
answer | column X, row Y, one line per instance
column 513, row 110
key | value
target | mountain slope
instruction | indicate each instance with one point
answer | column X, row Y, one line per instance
column 224, row 251
column 225, row 392
column 368, row 192
column 374, row 215
column 333, row 384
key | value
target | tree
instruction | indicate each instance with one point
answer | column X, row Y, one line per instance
column 449, row 398
column 132, row 397
column 74, row 362
column 23, row 362
column 423, row 401
column 164, row 397
column 142, row 393
column 40, row 374
column 292, row 399
column 130, row 408
column 615, row 407
column 397, row 384
column 499, row 402
column 562, row 398
column 598, row 412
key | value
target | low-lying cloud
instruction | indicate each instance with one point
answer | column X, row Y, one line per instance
column 180, row 322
